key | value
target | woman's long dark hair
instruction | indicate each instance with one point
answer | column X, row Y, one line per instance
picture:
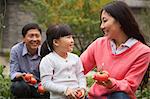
column 54, row 32
column 121, row 12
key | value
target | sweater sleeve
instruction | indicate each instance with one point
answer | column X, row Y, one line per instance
column 134, row 76
column 46, row 74
column 87, row 58
column 80, row 75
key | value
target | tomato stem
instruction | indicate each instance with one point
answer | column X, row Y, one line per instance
column 100, row 68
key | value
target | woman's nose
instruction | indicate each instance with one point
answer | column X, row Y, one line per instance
column 101, row 26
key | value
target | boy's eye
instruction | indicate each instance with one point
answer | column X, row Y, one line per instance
column 73, row 36
column 69, row 36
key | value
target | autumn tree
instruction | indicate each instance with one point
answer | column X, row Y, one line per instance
column 81, row 15
column 145, row 24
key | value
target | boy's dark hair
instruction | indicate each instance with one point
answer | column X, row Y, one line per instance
column 54, row 31
column 30, row 26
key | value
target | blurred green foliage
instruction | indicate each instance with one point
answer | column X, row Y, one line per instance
column 81, row 15
column 5, row 82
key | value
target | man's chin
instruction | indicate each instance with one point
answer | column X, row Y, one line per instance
column 34, row 48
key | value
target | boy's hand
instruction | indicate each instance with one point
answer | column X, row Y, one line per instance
column 80, row 93
column 70, row 93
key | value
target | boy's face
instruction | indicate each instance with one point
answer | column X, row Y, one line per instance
column 65, row 44
column 32, row 39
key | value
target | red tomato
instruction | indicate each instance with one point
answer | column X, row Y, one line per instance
column 33, row 81
column 41, row 89
column 27, row 77
column 40, row 84
column 101, row 76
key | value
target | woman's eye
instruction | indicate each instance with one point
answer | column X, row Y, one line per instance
column 104, row 20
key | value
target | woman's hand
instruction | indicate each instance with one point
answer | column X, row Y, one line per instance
column 107, row 83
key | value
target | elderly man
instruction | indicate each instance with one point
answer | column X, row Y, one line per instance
column 24, row 59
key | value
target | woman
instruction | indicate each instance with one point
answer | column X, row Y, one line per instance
column 122, row 52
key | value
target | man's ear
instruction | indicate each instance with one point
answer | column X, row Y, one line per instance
column 23, row 40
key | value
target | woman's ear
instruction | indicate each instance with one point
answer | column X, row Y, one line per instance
column 119, row 24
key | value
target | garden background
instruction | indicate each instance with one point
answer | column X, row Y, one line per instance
column 81, row 15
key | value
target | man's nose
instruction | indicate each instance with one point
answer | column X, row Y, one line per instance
column 34, row 38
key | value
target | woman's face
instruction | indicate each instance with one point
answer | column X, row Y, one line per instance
column 110, row 26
